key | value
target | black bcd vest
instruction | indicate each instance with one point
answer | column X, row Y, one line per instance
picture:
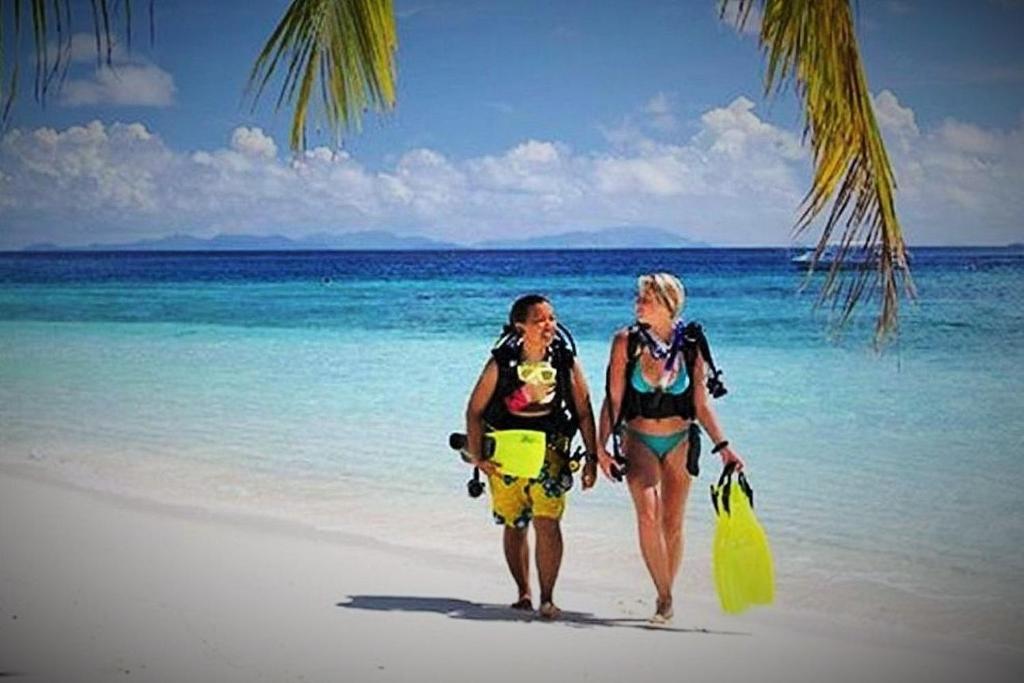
column 563, row 419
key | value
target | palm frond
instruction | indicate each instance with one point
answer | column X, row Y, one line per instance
column 52, row 21
column 348, row 45
column 813, row 43
column 42, row 49
column 12, row 88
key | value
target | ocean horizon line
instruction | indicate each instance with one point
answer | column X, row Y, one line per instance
column 488, row 250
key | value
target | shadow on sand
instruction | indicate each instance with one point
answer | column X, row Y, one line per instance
column 474, row 611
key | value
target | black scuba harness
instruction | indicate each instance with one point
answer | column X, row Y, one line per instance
column 689, row 343
column 563, row 420
column 560, row 425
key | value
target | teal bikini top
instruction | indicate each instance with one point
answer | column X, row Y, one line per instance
column 640, row 383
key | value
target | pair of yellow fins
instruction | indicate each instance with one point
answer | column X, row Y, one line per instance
column 741, row 558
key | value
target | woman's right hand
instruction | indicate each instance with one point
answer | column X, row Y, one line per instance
column 729, row 456
column 488, row 467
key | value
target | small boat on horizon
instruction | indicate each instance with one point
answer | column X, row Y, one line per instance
column 855, row 257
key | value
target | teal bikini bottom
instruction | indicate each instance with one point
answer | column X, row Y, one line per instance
column 660, row 444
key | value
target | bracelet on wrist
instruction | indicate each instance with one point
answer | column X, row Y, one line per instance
column 721, row 445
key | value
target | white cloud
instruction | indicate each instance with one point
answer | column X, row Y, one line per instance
column 89, row 168
column 122, row 180
column 662, row 176
column 128, row 79
column 896, row 120
column 737, row 132
column 737, row 180
column 253, row 142
column 662, row 117
column 957, row 183
column 655, row 119
column 82, row 49
column 969, row 139
column 127, row 84
column 534, row 152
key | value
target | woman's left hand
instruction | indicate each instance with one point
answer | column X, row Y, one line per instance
column 606, row 462
column 731, row 456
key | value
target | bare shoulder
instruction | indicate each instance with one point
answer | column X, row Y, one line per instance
column 620, row 343
column 489, row 373
column 578, row 374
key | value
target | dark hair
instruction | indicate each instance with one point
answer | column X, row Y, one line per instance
column 521, row 308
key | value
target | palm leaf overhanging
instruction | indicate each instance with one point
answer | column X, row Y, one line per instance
column 346, row 45
column 51, row 29
column 812, row 42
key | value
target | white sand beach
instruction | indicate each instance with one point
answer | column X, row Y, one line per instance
column 94, row 587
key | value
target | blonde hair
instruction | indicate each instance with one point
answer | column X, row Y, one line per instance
column 666, row 287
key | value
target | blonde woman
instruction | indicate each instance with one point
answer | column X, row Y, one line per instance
column 657, row 390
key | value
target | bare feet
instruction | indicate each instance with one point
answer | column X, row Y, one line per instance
column 524, row 603
column 549, row 611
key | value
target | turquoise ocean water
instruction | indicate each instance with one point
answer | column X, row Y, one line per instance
column 320, row 387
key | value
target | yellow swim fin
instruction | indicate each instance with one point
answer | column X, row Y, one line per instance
column 741, row 558
column 519, row 452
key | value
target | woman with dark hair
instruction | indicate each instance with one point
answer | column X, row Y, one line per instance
column 659, row 375
column 532, row 381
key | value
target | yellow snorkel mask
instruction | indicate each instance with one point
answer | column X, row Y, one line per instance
column 537, row 372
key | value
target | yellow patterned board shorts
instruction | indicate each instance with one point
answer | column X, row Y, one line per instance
column 517, row 500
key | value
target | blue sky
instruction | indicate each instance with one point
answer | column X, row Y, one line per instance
column 522, row 118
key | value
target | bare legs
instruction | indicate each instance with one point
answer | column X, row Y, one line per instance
column 549, row 561
column 659, row 490
column 643, row 479
column 517, row 555
column 675, row 490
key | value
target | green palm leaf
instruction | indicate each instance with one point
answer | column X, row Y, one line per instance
column 813, row 43
column 346, row 45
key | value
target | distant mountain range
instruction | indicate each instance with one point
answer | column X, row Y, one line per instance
column 365, row 240
column 623, row 237
column 609, row 238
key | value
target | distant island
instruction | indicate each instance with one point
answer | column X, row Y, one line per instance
column 623, row 237
column 368, row 240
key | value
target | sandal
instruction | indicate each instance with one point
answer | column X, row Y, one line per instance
column 663, row 612
column 524, row 604
column 549, row 611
